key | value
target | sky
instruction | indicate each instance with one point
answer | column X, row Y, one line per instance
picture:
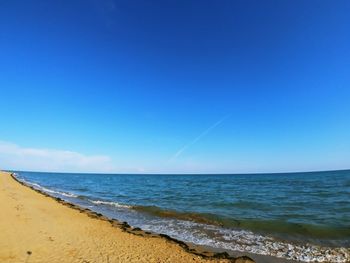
column 174, row 86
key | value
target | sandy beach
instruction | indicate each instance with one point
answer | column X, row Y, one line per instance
column 37, row 228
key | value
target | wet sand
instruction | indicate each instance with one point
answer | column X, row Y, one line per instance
column 37, row 228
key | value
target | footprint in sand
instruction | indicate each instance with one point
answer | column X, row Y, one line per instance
column 19, row 207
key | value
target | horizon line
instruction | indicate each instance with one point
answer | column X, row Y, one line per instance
column 219, row 174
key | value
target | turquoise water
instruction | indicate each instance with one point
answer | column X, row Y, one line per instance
column 259, row 213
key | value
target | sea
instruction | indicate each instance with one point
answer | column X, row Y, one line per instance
column 297, row 216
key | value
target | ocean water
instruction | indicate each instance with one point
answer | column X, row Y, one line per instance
column 300, row 216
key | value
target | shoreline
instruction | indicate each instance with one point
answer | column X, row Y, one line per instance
column 194, row 252
column 210, row 252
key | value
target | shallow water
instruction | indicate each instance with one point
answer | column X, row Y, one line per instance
column 302, row 216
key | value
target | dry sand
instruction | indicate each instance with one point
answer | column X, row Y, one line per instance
column 35, row 228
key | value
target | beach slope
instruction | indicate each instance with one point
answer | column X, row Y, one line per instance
column 36, row 228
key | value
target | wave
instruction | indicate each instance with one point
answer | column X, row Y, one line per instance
column 242, row 240
column 115, row 204
column 67, row 194
column 279, row 228
column 195, row 217
column 44, row 189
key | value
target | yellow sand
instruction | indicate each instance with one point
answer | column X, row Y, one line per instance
column 35, row 228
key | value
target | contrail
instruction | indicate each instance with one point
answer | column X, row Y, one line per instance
column 200, row 136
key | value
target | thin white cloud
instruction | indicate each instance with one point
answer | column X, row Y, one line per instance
column 195, row 140
column 15, row 157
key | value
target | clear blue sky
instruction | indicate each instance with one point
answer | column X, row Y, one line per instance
column 175, row 86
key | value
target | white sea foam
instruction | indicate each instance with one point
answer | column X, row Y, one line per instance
column 115, row 204
column 246, row 241
column 58, row 192
column 47, row 190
